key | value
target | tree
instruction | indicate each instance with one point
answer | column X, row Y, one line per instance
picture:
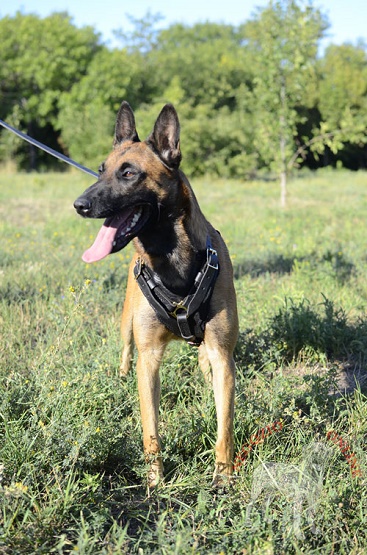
column 283, row 41
column 342, row 102
column 204, row 69
column 40, row 58
column 250, row 98
column 87, row 131
column 88, row 110
column 208, row 58
column 143, row 37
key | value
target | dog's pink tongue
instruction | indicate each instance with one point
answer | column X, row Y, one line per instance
column 103, row 243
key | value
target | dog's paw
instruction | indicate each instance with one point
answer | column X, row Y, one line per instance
column 222, row 477
column 123, row 372
column 155, row 475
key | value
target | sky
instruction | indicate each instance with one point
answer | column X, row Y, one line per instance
column 347, row 18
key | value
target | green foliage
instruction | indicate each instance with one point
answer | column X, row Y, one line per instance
column 342, row 99
column 298, row 329
column 88, row 132
column 39, row 58
column 144, row 36
column 253, row 100
column 343, row 84
column 283, row 41
column 208, row 59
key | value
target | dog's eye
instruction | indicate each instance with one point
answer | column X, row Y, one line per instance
column 127, row 173
column 101, row 168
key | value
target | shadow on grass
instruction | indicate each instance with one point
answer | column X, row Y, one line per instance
column 334, row 262
column 274, row 264
column 300, row 329
column 11, row 293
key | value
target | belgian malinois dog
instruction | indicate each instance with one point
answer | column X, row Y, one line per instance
column 181, row 265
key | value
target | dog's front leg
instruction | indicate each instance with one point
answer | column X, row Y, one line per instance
column 204, row 363
column 149, row 393
column 127, row 323
column 223, row 368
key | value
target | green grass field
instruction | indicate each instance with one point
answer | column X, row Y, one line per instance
column 72, row 472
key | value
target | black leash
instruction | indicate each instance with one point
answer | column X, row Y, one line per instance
column 47, row 149
column 186, row 317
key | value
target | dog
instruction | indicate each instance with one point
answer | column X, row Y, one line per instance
column 180, row 282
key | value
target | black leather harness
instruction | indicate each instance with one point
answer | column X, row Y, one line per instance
column 185, row 317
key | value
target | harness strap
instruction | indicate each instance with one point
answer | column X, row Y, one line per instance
column 186, row 317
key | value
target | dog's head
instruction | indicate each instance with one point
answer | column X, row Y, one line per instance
column 134, row 181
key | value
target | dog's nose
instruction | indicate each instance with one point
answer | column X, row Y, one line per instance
column 83, row 206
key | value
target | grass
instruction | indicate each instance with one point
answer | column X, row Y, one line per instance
column 71, row 466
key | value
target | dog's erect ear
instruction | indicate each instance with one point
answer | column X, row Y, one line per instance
column 125, row 125
column 165, row 138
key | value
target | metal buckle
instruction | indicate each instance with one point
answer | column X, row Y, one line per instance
column 139, row 267
column 212, row 252
column 178, row 306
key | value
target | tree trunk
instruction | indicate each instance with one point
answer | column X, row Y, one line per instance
column 283, row 189
column 282, row 144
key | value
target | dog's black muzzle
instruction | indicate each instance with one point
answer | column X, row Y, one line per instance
column 103, row 201
column 96, row 201
column 83, row 205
